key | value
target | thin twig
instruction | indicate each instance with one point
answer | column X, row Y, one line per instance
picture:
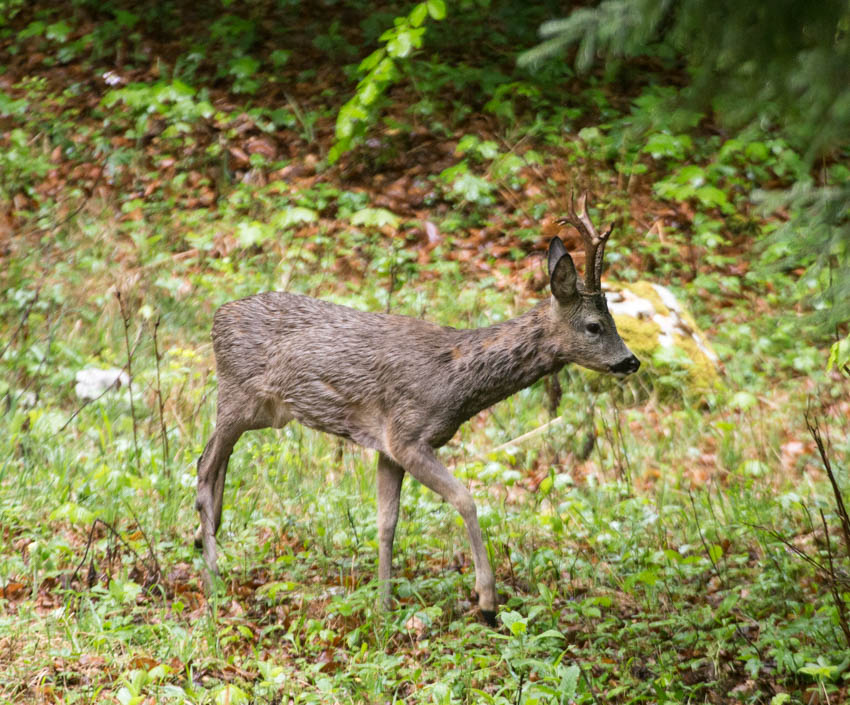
column 507, row 551
column 67, row 218
column 392, row 282
column 623, row 451
column 151, row 551
column 125, row 319
column 114, row 532
column 814, row 429
column 114, row 386
column 23, row 320
column 519, row 688
column 162, row 429
column 525, row 436
column 705, row 543
column 840, row 606
column 802, row 554
column 614, row 434
column 54, row 325
column 353, row 527
column 587, row 681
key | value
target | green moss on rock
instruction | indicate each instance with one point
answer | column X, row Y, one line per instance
column 640, row 335
column 687, row 358
column 646, row 291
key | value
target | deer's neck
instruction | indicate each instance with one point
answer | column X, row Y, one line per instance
column 494, row 362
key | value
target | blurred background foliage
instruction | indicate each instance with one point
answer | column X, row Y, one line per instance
column 781, row 67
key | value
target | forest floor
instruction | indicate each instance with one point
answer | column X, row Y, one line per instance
column 651, row 543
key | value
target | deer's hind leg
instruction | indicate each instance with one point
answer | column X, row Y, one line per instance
column 234, row 416
column 390, row 476
column 212, row 469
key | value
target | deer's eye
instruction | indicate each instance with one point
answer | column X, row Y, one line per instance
column 593, row 328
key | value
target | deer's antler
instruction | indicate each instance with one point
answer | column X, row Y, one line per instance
column 594, row 243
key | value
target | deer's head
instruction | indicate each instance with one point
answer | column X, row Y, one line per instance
column 586, row 332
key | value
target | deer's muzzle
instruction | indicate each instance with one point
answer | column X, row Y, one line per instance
column 626, row 366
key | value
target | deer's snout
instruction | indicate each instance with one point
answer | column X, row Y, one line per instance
column 626, row 366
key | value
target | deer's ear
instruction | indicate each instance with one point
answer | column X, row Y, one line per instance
column 562, row 272
column 556, row 251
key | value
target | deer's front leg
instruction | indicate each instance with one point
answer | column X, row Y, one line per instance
column 390, row 476
column 419, row 460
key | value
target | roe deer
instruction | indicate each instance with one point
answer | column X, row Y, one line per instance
column 399, row 385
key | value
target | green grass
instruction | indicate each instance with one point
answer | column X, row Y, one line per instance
column 646, row 573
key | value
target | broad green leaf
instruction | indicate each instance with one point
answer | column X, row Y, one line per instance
column 244, row 66
column 124, row 591
column 58, row 31
column 449, row 174
column 293, row 215
column 514, row 621
column 692, row 175
column 550, row 634
column 648, row 577
column 569, row 682
column 715, row 552
column 757, row 151
column 753, row 468
column 273, row 588
column 125, row 697
column 505, row 165
column 73, row 512
column 819, row 670
column 743, row 401
column 10, row 107
column 340, row 147
column 33, row 29
column 231, row 695
column 839, row 357
column 136, row 680
column 466, row 143
column 384, row 70
column 728, row 602
column 473, row 189
column 712, row 196
column 401, row 45
column 375, row 218
column 157, row 673
column 418, row 14
column 369, row 92
column 437, row 9
column 253, row 233
column 372, row 60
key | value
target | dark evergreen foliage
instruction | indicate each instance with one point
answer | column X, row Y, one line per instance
column 782, row 66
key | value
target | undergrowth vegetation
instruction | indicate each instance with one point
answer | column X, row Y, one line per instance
column 651, row 544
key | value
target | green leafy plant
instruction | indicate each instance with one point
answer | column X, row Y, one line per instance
column 839, row 356
column 22, row 164
column 354, row 118
column 176, row 101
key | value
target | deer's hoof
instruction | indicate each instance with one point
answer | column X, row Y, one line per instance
column 489, row 617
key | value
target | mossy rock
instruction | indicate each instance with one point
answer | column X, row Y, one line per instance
column 663, row 334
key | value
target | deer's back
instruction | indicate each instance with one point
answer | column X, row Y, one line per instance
column 337, row 369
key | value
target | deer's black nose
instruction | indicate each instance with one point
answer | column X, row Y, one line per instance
column 626, row 366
